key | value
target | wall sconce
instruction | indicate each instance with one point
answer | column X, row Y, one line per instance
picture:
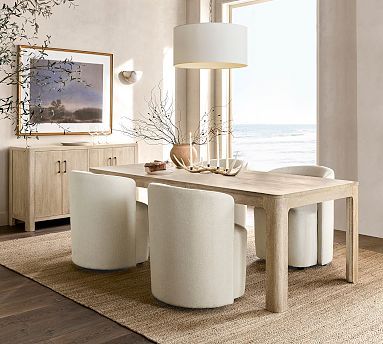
column 129, row 77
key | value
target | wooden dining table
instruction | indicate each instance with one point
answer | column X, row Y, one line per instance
column 276, row 193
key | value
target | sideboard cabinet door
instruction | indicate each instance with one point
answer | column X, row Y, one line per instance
column 71, row 160
column 48, row 193
column 123, row 156
column 100, row 157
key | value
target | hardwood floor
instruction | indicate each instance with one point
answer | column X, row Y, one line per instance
column 365, row 242
column 31, row 313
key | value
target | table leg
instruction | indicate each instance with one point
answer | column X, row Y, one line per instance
column 276, row 254
column 352, row 238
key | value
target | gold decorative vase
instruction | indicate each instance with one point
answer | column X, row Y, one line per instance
column 181, row 151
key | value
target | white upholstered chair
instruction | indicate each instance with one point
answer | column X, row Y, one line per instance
column 240, row 210
column 109, row 229
column 197, row 254
column 311, row 228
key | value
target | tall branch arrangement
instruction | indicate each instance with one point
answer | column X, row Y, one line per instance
column 159, row 125
column 19, row 24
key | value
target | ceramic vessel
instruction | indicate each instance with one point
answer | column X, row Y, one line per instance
column 181, row 151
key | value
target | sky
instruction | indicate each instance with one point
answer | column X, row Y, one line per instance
column 279, row 85
column 74, row 95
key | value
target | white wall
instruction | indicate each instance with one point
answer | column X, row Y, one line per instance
column 140, row 35
column 337, row 92
column 370, row 115
column 350, row 115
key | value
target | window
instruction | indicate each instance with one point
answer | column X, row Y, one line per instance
column 274, row 99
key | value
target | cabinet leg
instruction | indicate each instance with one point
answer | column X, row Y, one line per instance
column 30, row 226
column 11, row 221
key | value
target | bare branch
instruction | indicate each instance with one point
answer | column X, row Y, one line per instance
column 17, row 20
column 159, row 125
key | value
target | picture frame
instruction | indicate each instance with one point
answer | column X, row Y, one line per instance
column 64, row 91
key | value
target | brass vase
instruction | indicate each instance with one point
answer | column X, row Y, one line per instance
column 181, row 151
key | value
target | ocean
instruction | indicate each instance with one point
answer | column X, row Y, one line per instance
column 268, row 146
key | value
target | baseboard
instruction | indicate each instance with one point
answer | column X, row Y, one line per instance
column 3, row 218
column 364, row 233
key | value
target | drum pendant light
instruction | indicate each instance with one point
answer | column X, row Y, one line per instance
column 210, row 46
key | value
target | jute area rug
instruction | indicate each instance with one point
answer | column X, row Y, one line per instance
column 323, row 308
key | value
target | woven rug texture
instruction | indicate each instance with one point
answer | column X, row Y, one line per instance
column 323, row 307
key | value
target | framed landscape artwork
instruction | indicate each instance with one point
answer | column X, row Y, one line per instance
column 64, row 91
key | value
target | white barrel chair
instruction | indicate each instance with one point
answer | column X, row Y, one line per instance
column 240, row 210
column 109, row 229
column 197, row 254
column 311, row 227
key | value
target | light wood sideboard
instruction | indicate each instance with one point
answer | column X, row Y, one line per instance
column 38, row 177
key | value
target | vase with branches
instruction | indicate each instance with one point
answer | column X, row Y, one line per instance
column 159, row 126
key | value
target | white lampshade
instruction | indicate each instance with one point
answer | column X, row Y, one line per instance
column 210, row 46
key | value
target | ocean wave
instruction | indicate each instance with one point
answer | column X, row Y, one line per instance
column 266, row 147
